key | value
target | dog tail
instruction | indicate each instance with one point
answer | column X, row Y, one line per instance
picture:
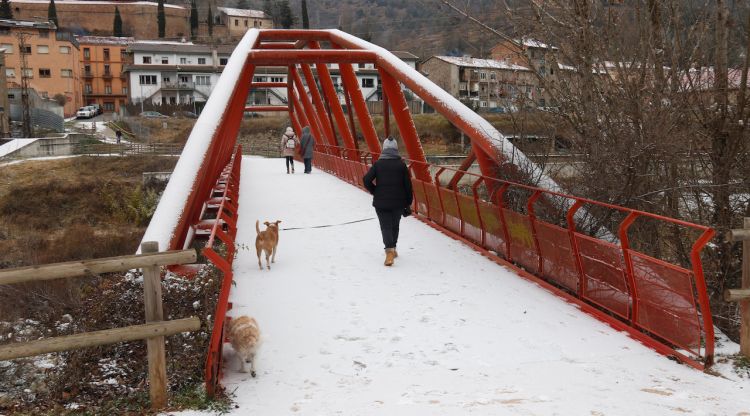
column 257, row 226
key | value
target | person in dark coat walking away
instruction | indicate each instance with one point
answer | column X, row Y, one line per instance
column 307, row 143
column 389, row 181
column 289, row 142
column 118, row 136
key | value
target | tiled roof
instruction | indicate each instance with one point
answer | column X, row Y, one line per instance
column 481, row 63
column 257, row 14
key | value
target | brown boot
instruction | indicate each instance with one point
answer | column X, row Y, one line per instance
column 390, row 254
column 395, row 253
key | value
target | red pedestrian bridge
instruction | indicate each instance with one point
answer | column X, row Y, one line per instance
column 575, row 247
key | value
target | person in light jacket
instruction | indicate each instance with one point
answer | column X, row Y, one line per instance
column 307, row 144
column 289, row 143
column 389, row 181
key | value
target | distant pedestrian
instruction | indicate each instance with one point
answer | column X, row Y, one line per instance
column 389, row 181
column 118, row 136
column 307, row 144
column 289, row 142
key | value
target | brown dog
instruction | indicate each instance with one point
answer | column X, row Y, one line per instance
column 244, row 335
column 267, row 241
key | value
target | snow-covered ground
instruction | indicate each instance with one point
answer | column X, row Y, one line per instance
column 442, row 332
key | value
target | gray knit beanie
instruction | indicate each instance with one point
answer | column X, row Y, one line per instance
column 390, row 143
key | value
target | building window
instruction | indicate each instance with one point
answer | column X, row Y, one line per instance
column 87, row 70
column 125, row 90
column 203, row 80
column 201, row 61
column 123, row 54
column 86, row 53
column 483, row 104
column 147, row 79
column 260, row 79
column 236, row 22
column 165, row 60
column 66, row 73
column 368, row 83
column 87, row 89
column 108, row 88
column 106, row 54
column 223, row 61
column 542, row 102
column 361, row 66
column 28, row 73
column 65, row 50
column 277, row 79
column 493, row 75
column 42, row 49
column 8, row 48
column 245, row 22
column 107, row 70
column 146, row 59
column 183, row 61
column 184, row 79
column 11, row 96
column 26, row 50
column 10, row 72
column 482, row 75
column 109, row 106
column 255, row 24
column 44, row 33
column 166, row 80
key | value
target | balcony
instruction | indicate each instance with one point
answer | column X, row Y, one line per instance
column 107, row 75
column 88, row 74
column 178, row 86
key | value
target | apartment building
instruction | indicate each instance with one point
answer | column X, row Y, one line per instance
column 52, row 60
column 103, row 59
column 484, row 84
column 165, row 72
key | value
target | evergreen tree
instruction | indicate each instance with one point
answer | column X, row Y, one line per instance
column 6, row 12
column 305, row 17
column 117, row 25
column 161, row 18
column 270, row 10
column 193, row 19
column 286, row 17
column 52, row 13
column 243, row 4
column 210, row 21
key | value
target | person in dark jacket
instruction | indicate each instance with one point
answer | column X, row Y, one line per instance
column 389, row 181
column 307, row 143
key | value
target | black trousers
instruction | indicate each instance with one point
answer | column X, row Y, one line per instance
column 289, row 162
column 389, row 221
column 308, row 165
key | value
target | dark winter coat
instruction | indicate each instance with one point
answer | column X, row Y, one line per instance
column 389, row 181
column 307, row 142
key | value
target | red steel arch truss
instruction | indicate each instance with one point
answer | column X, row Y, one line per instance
column 606, row 277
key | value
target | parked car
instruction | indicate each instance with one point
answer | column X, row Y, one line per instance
column 97, row 108
column 86, row 112
column 184, row 114
column 249, row 114
column 153, row 114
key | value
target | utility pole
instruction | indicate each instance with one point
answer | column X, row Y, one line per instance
column 25, row 104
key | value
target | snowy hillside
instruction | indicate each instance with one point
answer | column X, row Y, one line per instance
column 443, row 332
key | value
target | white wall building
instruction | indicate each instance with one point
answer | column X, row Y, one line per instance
column 165, row 72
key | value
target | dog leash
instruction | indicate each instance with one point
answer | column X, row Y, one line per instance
column 328, row 225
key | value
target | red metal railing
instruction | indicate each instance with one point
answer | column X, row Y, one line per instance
column 220, row 250
column 666, row 302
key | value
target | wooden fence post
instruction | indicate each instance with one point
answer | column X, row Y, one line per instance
column 157, row 363
column 745, row 304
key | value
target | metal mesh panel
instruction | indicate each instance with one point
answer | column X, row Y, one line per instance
column 557, row 256
column 604, row 281
column 452, row 213
column 472, row 226
column 494, row 239
column 522, row 247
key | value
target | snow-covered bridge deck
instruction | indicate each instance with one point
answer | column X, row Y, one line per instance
column 444, row 331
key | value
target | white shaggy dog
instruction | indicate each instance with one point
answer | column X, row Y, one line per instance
column 244, row 335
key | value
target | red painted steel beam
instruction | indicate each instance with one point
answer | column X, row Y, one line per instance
column 268, row 85
column 267, row 108
column 301, row 117
column 309, row 56
column 293, row 34
column 312, row 117
column 349, row 78
column 277, row 45
column 327, row 127
column 326, row 83
column 465, row 165
column 405, row 125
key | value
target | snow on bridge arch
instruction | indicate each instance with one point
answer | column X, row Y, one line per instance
column 656, row 302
